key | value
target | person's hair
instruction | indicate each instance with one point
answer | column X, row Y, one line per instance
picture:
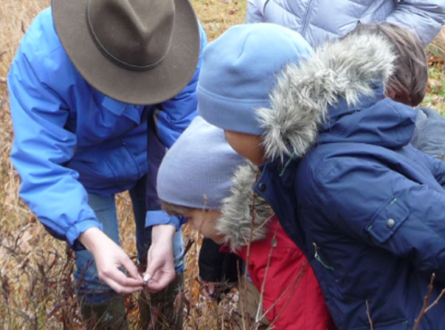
column 409, row 80
column 176, row 210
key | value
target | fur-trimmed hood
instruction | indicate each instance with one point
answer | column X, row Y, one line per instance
column 343, row 75
column 344, row 70
column 236, row 220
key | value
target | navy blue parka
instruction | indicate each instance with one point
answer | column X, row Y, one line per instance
column 365, row 206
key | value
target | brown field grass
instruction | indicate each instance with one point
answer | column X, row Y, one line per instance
column 35, row 281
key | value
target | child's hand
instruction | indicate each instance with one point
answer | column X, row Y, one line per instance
column 208, row 289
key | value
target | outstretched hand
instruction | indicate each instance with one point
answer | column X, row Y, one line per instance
column 160, row 265
column 109, row 257
column 208, row 289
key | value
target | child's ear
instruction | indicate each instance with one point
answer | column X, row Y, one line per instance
column 398, row 97
column 391, row 94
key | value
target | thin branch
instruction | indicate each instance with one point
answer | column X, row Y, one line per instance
column 435, row 301
column 425, row 303
column 368, row 313
column 295, row 285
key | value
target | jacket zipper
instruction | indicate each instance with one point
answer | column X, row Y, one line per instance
column 318, row 258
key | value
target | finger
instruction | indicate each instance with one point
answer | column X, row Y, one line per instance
column 158, row 284
column 205, row 292
column 123, row 289
column 152, row 268
column 132, row 270
column 155, row 287
column 211, row 288
column 120, row 283
column 146, row 278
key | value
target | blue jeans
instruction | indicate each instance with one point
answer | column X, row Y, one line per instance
column 89, row 288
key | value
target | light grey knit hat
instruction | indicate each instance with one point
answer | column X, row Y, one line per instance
column 197, row 170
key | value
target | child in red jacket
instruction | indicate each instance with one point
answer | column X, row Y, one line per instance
column 223, row 209
column 290, row 294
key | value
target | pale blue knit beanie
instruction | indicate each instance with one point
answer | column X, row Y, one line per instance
column 239, row 70
column 197, row 170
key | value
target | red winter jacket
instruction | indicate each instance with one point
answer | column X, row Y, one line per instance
column 292, row 298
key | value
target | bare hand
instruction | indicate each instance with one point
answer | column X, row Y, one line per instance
column 160, row 266
column 208, row 289
column 109, row 257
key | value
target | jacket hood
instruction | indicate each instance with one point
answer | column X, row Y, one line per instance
column 236, row 222
column 344, row 71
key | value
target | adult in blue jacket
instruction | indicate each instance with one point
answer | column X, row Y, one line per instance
column 93, row 86
column 321, row 20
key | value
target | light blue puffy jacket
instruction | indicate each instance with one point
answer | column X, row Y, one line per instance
column 319, row 20
column 71, row 140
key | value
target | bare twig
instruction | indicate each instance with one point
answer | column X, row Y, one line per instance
column 425, row 303
column 294, row 287
column 368, row 313
column 258, row 315
column 434, row 303
column 187, row 248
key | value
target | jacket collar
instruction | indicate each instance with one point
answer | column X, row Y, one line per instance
column 238, row 223
column 339, row 73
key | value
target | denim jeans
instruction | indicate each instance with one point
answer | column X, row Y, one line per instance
column 89, row 288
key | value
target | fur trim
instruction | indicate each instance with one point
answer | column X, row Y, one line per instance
column 236, row 220
column 345, row 68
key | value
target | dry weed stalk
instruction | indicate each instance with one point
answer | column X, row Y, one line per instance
column 425, row 306
column 35, row 271
column 426, row 300
column 368, row 314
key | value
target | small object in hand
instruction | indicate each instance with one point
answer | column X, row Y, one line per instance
column 146, row 278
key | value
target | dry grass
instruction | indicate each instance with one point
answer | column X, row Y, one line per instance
column 35, row 281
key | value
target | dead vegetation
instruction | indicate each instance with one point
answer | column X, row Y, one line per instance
column 36, row 285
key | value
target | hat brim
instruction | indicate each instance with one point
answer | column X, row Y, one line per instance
column 135, row 87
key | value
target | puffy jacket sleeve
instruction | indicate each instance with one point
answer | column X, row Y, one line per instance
column 429, row 135
column 254, row 12
column 41, row 146
column 437, row 168
column 178, row 112
column 424, row 17
column 172, row 118
column 371, row 203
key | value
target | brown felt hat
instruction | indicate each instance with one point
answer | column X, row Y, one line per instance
column 135, row 51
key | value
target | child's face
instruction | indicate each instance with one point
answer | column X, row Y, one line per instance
column 204, row 222
column 247, row 145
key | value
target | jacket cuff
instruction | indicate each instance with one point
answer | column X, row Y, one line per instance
column 75, row 231
column 154, row 218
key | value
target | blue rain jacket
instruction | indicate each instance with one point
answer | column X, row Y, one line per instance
column 71, row 140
